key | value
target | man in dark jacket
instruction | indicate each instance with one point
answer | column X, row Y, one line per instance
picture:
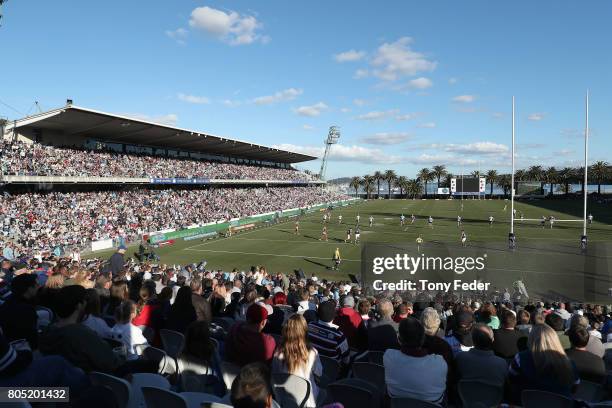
column 590, row 367
column 382, row 333
column 117, row 260
column 507, row 337
column 18, row 317
column 201, row 306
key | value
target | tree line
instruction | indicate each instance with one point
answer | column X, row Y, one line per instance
column 599, row 173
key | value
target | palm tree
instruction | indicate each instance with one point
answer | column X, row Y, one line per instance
column 492, row 177
column 551, row 176
column 425, row 176
column 400, row 182
column 413, row 188
column 536, row 173
column 505, row 181
column 447, row 180
column 368, row 184
column 439, row 171
column 475, row 173
column 601, row 172
column 355, row 183
column 378, row 177
column 566, row 175
column 390, row 177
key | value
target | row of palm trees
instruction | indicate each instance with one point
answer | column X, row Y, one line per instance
column 599, row 173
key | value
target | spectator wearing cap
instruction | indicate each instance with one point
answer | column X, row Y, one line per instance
column 590, row 367
column 246, row 343
column 480, row 363
column 75, row 342
column 412, row 373
column 558, row 325
column 327, row 337
column 460, row 337
column 18, row 317
column 117, row 260
column 507, row 337
column 382, row 333
column 349, row 321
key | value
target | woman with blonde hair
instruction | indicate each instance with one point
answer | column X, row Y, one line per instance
column 296, row 356
column 543, row 366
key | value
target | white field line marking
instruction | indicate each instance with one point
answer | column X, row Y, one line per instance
column 288, row 241
column 211, row 241
column 265, row 254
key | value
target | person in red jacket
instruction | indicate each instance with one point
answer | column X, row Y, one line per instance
column 246, row 343
column 349, row 320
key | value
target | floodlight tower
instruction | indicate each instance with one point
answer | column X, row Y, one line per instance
column 332, row 138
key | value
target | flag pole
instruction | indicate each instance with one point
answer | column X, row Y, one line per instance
column 586, row 169
column 512, row 177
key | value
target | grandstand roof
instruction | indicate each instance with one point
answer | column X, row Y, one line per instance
column 77, row 121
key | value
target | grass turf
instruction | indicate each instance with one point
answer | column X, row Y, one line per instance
column 280, row 250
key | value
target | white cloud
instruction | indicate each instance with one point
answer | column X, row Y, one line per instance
column 359, row 102
column 408, row 116
column 433, row 159
column 386, row 138
column 344, row 153
column 307, row 127
column 345, row 110
column 284, row 95
column 179, row 35
column 376, row 115
column 536, row 116
column 169, row 119
column 349, row 56
column 464, row 98
column 193, row 99
column 498, row 115
column 395, row 60
column 452, row 81
column 420, row 83
column 312, row 110
column 428, row 125
column 479, row 148
column 361, row 73
column 232, row 103
column 230, row 27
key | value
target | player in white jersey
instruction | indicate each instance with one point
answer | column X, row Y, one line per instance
column 371, row 221
column 543, row 221
column 402, row 220
column 459, row 221
column 357, row 218
column 357, row 234
column 340, row 219
column 297, row 227
column 463, row 238
column 412, row 219
column 349, row 233
column 551, row 219
column 325, row 218
column 491, row 219
column 590, row 218
column 430, row 221
column 505, row 207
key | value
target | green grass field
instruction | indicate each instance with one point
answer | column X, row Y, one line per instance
column 543, row 254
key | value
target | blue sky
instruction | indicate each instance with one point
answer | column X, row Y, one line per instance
column 411, row 84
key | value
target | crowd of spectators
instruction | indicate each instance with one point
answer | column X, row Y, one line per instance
column 44, row 221
column 60, row 319
column 35, row 159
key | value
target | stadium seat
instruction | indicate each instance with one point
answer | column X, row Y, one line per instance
column 478, row 394
column 120, row 387
column 225, row 322
column 139, row 380
column 376, row 357
column 590, row 391
column 229, row 371
column 539, row 399
column 159, row 398
column 331, row 369
column 154, row 354
column 173, row 343
column 412, row 403
column 354, row 393
column 370, row 372
column 291, row 390
column 196, row 399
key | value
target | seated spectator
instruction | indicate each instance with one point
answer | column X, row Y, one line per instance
column 93, row 318
column 182, row 312
column 460, row 337
column 382, row 333
column 480, row 363
column 524, row 318
column 594, row 345
column 48, row 293
column 558, row 325
column 201, row 359
column 507, row 337
column 348, row 320
column 18, row 318
column 125, row 331
column 296, row 356
column 364, row 307
column 18, row 368
column 201, row 306
column 590, row 367
column 304, row 303
column 77, row 343
column 543, row 366
column 147, row 307
column 402, row 365
column 327, row 337
column 118, row 293
column 434, row 344
column 252, row 387
column 246, row 343
column 279, row 315
column 402, row 311
column 488, row 315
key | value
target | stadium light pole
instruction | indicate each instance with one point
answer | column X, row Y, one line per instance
column 511, row 236
column 332, row 138
column 583, row 239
